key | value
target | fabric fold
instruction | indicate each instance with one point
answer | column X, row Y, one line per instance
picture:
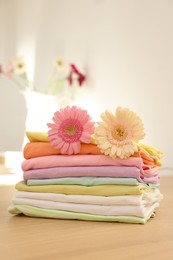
column 47, row 213
column 129, row 210
column 87, row 181
column 91, row 171
column 38, row 149
column 85, row 160
column 144, row 198
column 101, row 190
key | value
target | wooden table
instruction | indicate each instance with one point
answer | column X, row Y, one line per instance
column 35, row 238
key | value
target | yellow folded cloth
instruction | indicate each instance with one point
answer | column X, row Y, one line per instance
column 43, row 137
column 37, row 136
column 101, row 190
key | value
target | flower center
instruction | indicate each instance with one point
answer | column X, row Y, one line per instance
column 59, row 63
column 119, row 133
column 20, row 65
column 70, row 130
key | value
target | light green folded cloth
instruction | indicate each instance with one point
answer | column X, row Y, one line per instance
column 87, row 181
column 47, row 213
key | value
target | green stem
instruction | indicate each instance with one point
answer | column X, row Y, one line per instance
column 54, row 85
column 28, row 83
column 58, row 86
column 19, row 86
column 50, row 83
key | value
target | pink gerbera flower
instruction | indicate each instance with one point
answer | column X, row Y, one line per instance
column 72, row 125
column 9, row 69
column 1, row 69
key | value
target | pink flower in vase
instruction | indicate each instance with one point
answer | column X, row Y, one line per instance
column 1, row 69
column 9, row 70
column 70, row 78
column 65, row 72
column 80, row 77
column 72, row 125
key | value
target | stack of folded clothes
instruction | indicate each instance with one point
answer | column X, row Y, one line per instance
column 99, row 172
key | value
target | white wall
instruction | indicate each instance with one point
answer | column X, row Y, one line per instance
column 125, row 46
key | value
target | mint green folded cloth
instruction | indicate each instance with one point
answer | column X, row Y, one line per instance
column 87, row 181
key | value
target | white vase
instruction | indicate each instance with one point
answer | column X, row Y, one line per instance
column 66, row 96
column 40, row 110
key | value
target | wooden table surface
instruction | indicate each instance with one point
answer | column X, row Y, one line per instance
column 36, row 238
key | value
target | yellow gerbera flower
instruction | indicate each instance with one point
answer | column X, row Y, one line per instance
column 118, row 134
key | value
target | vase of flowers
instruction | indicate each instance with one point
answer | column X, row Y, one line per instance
column 59, row 92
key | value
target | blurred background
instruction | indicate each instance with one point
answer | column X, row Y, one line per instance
column 125, row 48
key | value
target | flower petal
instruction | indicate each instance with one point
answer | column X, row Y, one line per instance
column 85, row 137
column 71, row 125
column 117, row 135
column 64, row 148
column 76, row 147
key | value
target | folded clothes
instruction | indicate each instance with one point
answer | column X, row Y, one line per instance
column 85, row 160
column 101, row 190
column 37, row 136
column 89, row 185
column 87, row 181
column 92, row 171
column 147, row 159
column 152, row 152
column 146, row 152
column 37, row 149
column 142, row 199
column 48, row 213
column 110, row 210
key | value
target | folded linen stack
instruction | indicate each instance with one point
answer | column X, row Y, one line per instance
column 88, row 185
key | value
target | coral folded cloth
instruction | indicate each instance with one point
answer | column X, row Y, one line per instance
column 37, row 149
column 85, row 160
column 142, row 199
column 56, row 214
column 101, row 190
column 142, row 211
column 92, row 171
column 87, row 181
